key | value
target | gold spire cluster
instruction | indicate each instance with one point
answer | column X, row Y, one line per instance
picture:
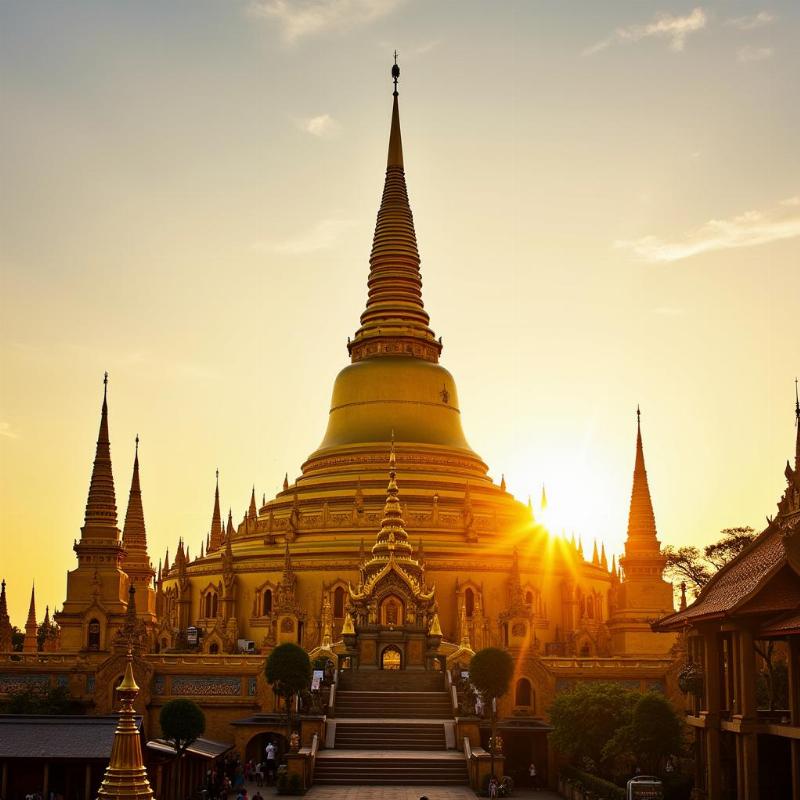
column 126, row 777
column 394, row 322
column 31, row 643
column 101, row 505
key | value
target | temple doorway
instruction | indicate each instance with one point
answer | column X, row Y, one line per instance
column 391, row 658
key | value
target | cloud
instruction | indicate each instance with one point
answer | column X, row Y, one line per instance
column 746, row 230
column 751, row 21
column 299, row 18
column 664, row 26
column 5, row 430
column 322, row 126
column 321, row 237
column 750, row 53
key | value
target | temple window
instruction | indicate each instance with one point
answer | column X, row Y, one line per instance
column 529, row 598
column 93, row 641
column 214, row 648
column 267, row 602
column 211, row 605
column 338, row 603
column 469, row 602
column 590, row 608
column 522, row 693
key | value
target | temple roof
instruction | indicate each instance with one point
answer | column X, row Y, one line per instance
column 77, row 738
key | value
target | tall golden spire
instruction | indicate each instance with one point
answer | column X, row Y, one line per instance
column 31, row 643
column 216, row 520
column 394, row 322
column 125, row 777
column 101, row 505
column 641, row 519
column 134, row 534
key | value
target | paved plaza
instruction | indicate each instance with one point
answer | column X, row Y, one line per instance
column 412, row 793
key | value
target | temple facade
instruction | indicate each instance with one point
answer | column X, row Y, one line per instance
column 393, row 549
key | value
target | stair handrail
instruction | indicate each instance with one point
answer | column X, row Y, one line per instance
column 467, row 749
column 313, row 759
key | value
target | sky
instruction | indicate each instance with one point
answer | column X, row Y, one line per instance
column 607, row 204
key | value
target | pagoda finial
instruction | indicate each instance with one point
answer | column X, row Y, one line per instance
column 395, row 73
column 100, row 521
column 216, row 520
column 503, row 482
column 31, row 644
column 603, row 559
column 595, row 555
column 125, row 775
column 543, row 502
column 286, row 482
column 392, row 539
column 683, row 596
column 252, row 511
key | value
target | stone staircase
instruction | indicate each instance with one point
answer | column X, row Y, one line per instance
column 391, row 728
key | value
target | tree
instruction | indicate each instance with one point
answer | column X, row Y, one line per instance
column 182, row 721
column 696, row 567
column 653, row 735
column 588, row 717
column 55, row 700
column 490, row 671
column 288, row 671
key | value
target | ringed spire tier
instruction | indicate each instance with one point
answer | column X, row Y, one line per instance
column 395, row 322
column 101, row 505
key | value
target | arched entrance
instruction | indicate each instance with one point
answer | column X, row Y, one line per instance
column 391, row 658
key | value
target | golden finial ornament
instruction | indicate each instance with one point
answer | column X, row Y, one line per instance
column 125, row 776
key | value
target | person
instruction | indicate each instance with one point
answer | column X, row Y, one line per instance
column 532, row 774
column 478, row 705
column 269, row 752
column 258, row 771
column 493, row 786
column 257, row 796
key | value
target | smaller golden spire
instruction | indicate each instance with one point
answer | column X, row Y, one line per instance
column 125, row 777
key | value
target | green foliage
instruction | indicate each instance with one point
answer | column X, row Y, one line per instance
column 56, row 700
column 288, row 669
column 653, row 734
column 491, row 670
column 603, row 790
column 695, row 566
column 17, row 639
column 182, row 721
column 587, row 718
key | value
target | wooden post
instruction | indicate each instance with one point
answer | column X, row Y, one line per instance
column 794, row 710
column 45, row 779
column 746, row 700
column 711, row 665
column 4, row 780
column 87, row 784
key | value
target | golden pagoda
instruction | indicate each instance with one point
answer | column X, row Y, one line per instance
column 457, row 563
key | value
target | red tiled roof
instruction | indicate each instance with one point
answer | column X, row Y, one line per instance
column 782, row 625
column 735, row 582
